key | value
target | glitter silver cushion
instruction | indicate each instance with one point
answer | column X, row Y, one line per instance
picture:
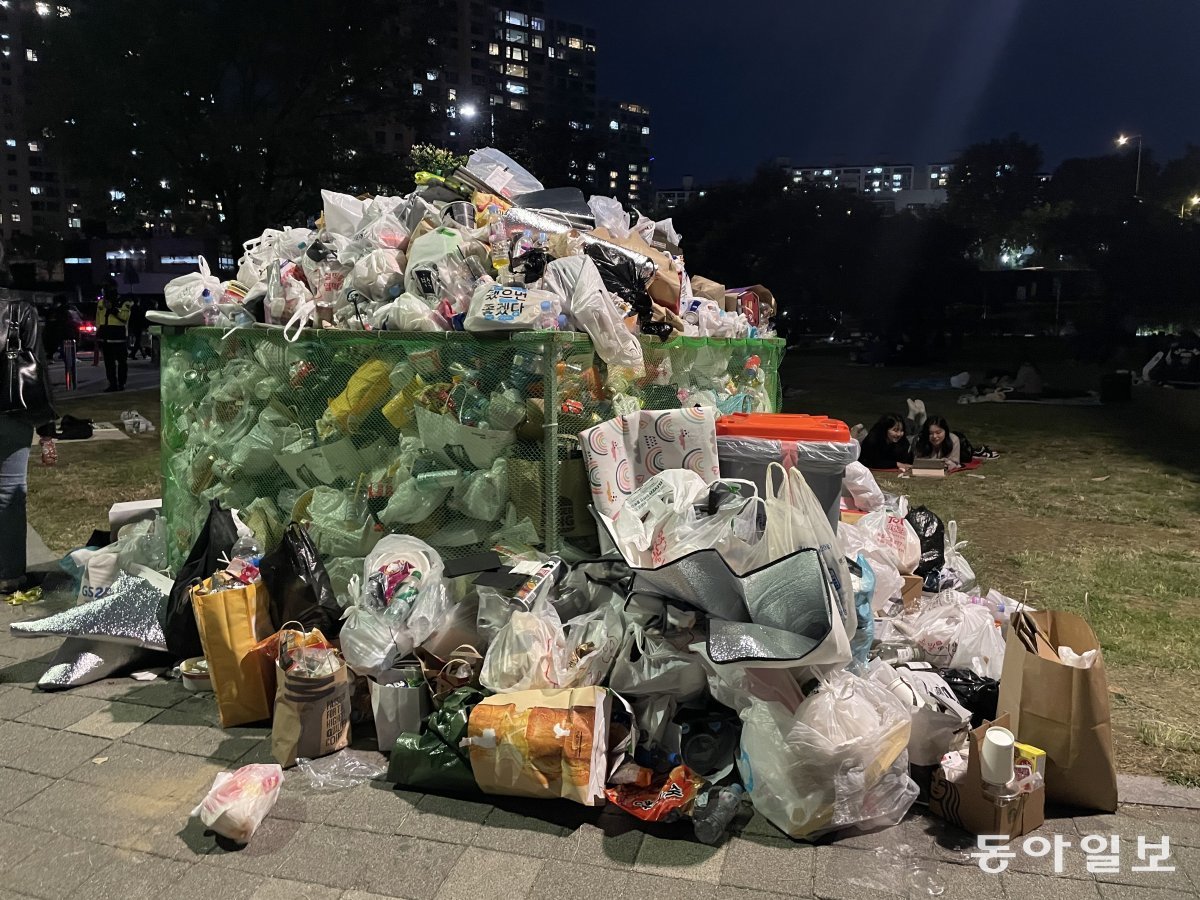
column 127, row 614
column 82, row 661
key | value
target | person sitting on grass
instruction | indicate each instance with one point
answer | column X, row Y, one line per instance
column 885, row 446
column 937, row 441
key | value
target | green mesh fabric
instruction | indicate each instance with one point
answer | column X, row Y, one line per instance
column 459, row 439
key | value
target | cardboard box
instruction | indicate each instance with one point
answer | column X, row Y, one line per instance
column 962, row 802
column 911, row 591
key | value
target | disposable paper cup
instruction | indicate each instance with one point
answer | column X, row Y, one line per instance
column 996, row 756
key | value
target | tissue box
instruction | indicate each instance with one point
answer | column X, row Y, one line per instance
column 962, row 802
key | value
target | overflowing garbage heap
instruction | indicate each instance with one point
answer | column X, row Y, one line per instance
column 750, row 615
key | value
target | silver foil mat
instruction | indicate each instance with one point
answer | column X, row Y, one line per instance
column 82, row 661
column 127, row 614
column 545, row 220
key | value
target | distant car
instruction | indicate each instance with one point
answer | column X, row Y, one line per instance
column 86, row 339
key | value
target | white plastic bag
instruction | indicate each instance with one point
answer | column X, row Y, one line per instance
column 956, row 570
column 238, row 801
column 577, row 281
column 184, row 294
column 979, row 643
column 343, row 213
column 609, row 214
column 938, row 719
column 501, row 173
column 889, row 583
column 527, row 653
column 894, row 533
column 484, row 493
column 372, row 273
column 830, row 765
column 371, row 641
column 862, row 487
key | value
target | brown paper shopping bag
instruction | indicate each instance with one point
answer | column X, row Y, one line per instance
column 230, row 623
column 1062, row 710
column 312, row 712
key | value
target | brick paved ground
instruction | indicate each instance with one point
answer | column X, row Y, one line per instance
column 96, row 785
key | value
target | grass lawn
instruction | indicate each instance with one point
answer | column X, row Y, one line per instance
column 1092, row 509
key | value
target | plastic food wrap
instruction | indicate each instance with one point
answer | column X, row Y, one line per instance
column 239, row 801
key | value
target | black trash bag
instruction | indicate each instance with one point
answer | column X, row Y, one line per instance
column 932, row 534
column 976, row 693
column 620, row 277
column 298, row 585
column 175, row 614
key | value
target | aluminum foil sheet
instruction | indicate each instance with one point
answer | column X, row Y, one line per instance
column 127, row 614
column 552, row 222
column 82, row 661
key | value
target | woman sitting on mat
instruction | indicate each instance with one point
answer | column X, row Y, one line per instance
column 936, row 441
column 885, row 446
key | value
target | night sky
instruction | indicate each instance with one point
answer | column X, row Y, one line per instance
column 732, row 84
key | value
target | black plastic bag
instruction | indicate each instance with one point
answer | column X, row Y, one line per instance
column 620, row 277
column 976, row 693
column 298, row 585
column 175, row 612
column 932, row 534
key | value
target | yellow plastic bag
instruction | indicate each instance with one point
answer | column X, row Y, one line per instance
column 364, row 392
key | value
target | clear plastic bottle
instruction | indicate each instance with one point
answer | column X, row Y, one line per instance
column 208, row 308
column 712, row 820
column 498, row 238
column 548, row 319
column 893, row 652
column 246, row 547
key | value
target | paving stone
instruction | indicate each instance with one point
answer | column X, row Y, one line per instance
column 446, row 819
column 60, row 710
column 844, row 874
column 303, row 805
column 765, row 864
column 17, row 787
column 136, row 876
column 1025, row 886
column 271, row 846
column 114, row 720
column 17, row 701
column 25, row 671
column 282, row 889
column 162, row 692
column 512, row 832
column 917, row 831
column 1074, row 860
column 1133, row 892
column 208, row 882
column 176, row 834
column 107, row 689
column 758, row 824
column 558, row 879
column 93, row 814
column 58, row 866
column 480, row 873
column 372, row 807
column 591, row 845
column 23, row 648
column 1181, row 825
column 732, row 893
column 366, row 895
column 639, row 886
column 46, row 752
column 680, row 859
column 182, row 731
column 151, row 773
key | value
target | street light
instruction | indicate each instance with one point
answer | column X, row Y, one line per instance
column 1124, row 139
column 468, row 111
column 1191, row 202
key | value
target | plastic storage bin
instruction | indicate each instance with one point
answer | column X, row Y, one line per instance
column 820, row 447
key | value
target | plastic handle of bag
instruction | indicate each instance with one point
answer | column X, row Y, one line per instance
column 204, row 269
column 282, row 636
column 304, row 311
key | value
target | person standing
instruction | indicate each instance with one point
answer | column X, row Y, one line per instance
column 137, row 328
column 26, row 403
column 112, row 332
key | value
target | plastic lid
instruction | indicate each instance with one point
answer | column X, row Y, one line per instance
column 784, row 427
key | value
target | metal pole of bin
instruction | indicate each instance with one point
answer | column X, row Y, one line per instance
column 550, row 461
column 69, row 362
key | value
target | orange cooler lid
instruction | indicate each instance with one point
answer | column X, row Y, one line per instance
column 784, row 427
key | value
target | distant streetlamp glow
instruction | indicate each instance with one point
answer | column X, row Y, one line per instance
column 468, row 111
column 1188, row 206
column 1124, row 139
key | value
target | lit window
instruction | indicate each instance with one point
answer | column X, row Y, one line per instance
column 612, row 184
column 591, row 48
column 433, row 108
column 10, row 143
column 75, row 222
column 520, row 54
column 613, row 174
column 164, row 184
column 431, row 75
column 35, row 190
column 78, row 260
column 539, row 24
column 633, row 167
column 116, row 195
column 451, row 112
column 15, row 217
column 516, row 71
column 418, row 89
column 34, row 147
column 43, row 9
column 493, row 49
column 646, row 169
column 516, row 37
column 179, row 261
column 633, row 179
column 516, row 18
column 31, row 54
column 536, row 42
column 591, row 167
column 614, row 124
column 575, row 44
column 514, row 87
column 516, row 104
column 551, row 53
column 826, row 172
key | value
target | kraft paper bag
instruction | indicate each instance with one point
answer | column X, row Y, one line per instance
column 527, row 482
column 312, row 715
column 1064, row 711
column 542, row 744
column 231, row 623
